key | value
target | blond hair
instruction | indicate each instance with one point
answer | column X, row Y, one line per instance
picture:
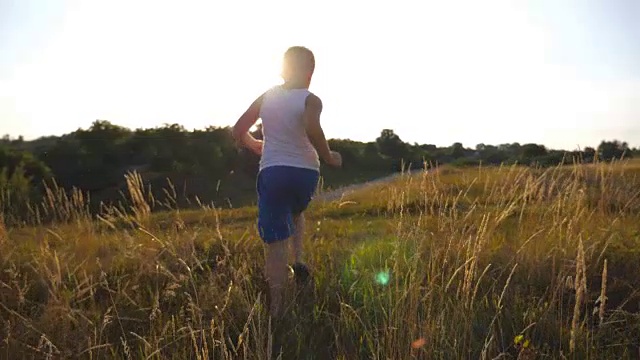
column 298, row 63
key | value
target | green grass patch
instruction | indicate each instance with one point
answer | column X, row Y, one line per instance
column 454, row 263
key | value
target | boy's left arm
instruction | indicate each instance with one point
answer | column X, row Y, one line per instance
column 240, row 130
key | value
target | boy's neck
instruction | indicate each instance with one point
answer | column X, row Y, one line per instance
column 296, row 84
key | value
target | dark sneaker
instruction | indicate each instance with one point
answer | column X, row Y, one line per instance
column 301, row 272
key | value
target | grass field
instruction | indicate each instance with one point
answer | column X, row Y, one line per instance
column 511, row 262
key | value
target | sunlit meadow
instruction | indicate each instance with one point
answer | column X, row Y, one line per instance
column 508, row 262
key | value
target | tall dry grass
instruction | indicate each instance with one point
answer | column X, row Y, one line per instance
column 487, row 263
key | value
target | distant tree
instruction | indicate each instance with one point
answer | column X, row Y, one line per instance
column 24, row 162
column 21, row 179
column 490, row 154
column 511, row 150
column 533, row 150
column 588, row 154
column 103, row 141
column 553, row 158
column 457, row 150
column 371, row 150
column 608, row 150
column 371, row 158
column 353, row 152
column 65, row 159
column 172, row 146
column 532, row 153
column 213, row 152
column 18, row 143
column 102, row 153
column 391, row 145
column 429, row 147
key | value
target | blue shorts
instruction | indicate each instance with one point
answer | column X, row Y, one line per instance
column 283, row 191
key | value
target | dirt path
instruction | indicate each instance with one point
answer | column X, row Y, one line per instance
column 345, row 190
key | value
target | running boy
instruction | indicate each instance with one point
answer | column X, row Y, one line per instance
column 294, row 143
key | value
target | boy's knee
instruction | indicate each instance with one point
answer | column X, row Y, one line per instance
column 276, row 252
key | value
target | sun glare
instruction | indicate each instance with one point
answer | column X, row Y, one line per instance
column 206, row 68
column 267, row 69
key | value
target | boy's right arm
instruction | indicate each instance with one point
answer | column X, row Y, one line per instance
column 311, row 116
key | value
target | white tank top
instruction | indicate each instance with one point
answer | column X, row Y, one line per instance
column 284, row 134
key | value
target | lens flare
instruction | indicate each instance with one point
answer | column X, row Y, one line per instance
column 382, row 277
column 418, row 343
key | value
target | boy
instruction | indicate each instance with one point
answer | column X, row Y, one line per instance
column 294, row 143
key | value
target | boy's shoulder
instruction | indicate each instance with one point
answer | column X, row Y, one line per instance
column 313, row 100
column 279, row 90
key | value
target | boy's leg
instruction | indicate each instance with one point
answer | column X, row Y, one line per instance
column 298, row 235
column 276, row 273
column 305, row 189
column 300, row 270
column 274, row 224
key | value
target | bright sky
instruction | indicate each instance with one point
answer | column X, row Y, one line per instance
column 561, row 73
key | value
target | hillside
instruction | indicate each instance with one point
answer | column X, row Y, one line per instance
column 452, row 263
column 205, row 166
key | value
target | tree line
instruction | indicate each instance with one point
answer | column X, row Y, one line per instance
column 208, row 164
